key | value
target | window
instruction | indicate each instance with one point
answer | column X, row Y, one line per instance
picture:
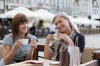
column 63, row 3
column 1, row 0
column 9, row 1
column 42, row 1
column 60, row 3
column 26, row 2
column 38, row 1
column 97, row 12
column 21, row 1
column 51, row 2
column 86, row 0
column 56, row 3
column 46, row 1
column 17, row 1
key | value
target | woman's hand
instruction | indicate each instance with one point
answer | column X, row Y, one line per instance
column 17, row 44
column 33, row 45
column 49, row 38
column 67, row 40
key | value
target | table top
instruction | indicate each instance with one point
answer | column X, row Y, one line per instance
column 97, row 51
column 24, row 63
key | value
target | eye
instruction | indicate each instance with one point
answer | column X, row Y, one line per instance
column 55, row 23
column 21, row 23
column 60, row 21
column 26, row 22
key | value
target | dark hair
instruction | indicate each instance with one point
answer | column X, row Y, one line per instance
column 40, row 24
column 19, row 18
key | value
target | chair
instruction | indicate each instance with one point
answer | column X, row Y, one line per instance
column 90, row 63
column 87, row 55
column 0, row 51
column 36, row 52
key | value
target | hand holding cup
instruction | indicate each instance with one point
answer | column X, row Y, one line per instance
column 49, row 38
column 66, row 39
column 33, row 44
column 17, row 44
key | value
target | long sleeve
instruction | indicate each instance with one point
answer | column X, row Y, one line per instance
column 81, row 42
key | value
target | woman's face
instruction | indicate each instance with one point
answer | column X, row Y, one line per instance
column 23, row 27
column 62, row 25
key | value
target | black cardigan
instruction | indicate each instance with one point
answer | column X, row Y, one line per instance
column 81, row 41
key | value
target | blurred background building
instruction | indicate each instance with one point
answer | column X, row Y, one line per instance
column 71, row 7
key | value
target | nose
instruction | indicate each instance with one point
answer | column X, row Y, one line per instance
column 25, row 24
column 58, row 25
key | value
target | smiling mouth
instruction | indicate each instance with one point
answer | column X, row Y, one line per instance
column 60, row 28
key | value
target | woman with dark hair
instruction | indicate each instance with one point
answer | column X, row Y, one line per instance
column 66, row 35
column 13, row 49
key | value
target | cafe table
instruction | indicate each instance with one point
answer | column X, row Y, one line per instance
column 24, row 63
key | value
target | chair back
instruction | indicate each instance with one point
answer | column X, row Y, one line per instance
column 0, row 51
column 90, row 63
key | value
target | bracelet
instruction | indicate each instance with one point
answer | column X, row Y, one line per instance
column 32, row 53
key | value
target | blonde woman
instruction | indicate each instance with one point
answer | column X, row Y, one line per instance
column 66, row 32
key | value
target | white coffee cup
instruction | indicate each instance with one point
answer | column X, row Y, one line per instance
column 46, row 62
column 55, row 36
column 24, row 41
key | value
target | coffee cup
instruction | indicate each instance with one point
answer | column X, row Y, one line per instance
column 24, row 41
column 46, row 62
column 55, row 36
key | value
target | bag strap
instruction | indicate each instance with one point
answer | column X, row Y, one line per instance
column 76, row 41
column 77, row 49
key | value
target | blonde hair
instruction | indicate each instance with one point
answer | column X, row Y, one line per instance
column 65, row 16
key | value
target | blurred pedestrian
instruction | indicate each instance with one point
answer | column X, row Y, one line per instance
column 40, row 24
column 40, row 28
column 33, row 29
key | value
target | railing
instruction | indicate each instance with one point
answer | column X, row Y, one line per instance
column 90, row 31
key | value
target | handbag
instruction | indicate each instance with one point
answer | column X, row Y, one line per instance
column 74, row 54
column 64, row 57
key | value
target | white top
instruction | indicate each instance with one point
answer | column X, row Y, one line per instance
column 21, row 52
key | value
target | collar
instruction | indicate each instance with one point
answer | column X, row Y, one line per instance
column 72, row 34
